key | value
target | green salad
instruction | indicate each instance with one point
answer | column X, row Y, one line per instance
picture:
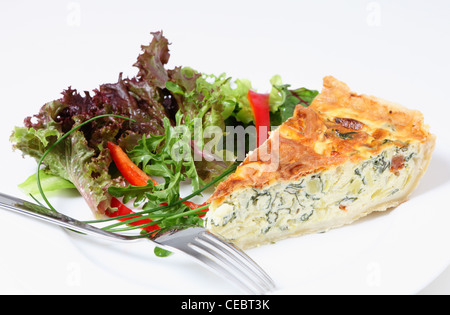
column 158, row 125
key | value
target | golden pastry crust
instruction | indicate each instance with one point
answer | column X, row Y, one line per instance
column 338, row 126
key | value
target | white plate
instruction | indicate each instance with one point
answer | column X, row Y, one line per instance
column 396, row 252
column 372, row 46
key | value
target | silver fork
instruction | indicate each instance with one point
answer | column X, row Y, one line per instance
column 217, row 255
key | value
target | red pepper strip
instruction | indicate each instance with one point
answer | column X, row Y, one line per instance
column 132, row 173
column 260, row 108
column 195, row 206
column 135, row 176
column 124, row 210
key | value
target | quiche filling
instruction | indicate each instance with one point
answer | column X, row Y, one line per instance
column 323, row 199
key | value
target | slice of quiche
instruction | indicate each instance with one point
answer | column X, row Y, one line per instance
column 341, row 158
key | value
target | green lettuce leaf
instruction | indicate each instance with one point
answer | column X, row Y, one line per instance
column 72, row 160
column 49, row 183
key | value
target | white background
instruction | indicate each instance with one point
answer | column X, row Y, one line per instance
column 397, row 50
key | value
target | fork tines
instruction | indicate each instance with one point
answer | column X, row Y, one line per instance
column 221, row 257
column 237, row 265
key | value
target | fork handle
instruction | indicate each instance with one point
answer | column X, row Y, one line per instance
column 39, row 212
